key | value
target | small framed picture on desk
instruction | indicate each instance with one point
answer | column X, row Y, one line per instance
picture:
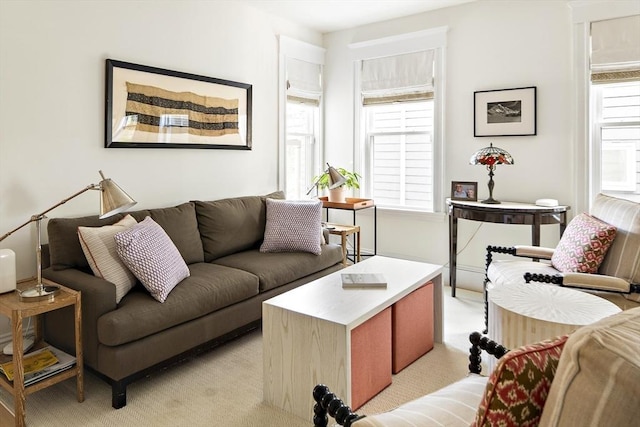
column 464, row 190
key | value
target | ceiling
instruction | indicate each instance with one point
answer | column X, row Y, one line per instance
column 326, row 16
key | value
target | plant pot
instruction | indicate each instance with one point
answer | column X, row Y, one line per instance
column 337, row 195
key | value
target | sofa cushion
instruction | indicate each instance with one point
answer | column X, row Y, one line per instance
column 232, row 225
column 99, row 247
column 181, row 225
column 454, row 405
column 623, row 258
column 518, row 387
column 64, row 246
column 598, row 377
column 277, row 269
column 293, row 226
column 583, row 245
column 209, row 288
column 152, row 257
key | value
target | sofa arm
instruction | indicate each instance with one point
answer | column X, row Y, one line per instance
column 591, row 282
column 98, row 297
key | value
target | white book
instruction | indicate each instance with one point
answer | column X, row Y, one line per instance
column 364, row 280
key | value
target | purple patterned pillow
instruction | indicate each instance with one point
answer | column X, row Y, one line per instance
column 293, row 226
column 583, row 245
column 152, row 257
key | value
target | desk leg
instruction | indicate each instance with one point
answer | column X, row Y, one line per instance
column 535, row 230
column 453, row 249
column 358, row 246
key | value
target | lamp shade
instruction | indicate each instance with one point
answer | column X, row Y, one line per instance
column 335, row 178
column 113, row 199
column 490, row 156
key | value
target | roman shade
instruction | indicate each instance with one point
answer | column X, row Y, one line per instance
column 405, row 77
column 304, row 81
column 615, row 51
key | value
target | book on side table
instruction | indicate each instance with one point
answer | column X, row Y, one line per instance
column 40, row 364
column 364, row 280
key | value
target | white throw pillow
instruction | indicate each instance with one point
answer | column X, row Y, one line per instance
column 99, row 248
column 293, row 226
column 151, row 255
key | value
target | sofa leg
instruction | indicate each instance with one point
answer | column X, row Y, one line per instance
column 118, row 394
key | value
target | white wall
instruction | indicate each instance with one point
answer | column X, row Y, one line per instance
column 491, row 45
column 52, row 78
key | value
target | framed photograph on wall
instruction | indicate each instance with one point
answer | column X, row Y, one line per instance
column 464, row 190
column 148, row 107
column 505, row 112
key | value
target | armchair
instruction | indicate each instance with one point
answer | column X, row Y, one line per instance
column 617, row 278
column 590, row 377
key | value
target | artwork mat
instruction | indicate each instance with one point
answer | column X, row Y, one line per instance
column 466, row 185
column 527, row 125
column 119, row 73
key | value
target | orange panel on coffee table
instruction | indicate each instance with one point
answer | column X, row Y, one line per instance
column 370, row 358
column 412, row 334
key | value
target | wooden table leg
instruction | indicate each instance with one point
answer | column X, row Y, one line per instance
column 18, row 369
column 79, row 355
column 343, row 236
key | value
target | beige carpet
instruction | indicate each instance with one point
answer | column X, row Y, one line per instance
column 224, row 386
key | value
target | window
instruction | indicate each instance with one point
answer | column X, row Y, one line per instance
column 399, row 96
column 616, row 135
column 302, row 149
column 615, row 102
column 399, row 160
column 300, row 142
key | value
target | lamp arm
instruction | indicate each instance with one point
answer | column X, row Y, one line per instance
column 41, row 215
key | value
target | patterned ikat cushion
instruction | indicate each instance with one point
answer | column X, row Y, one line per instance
column 583, row 245
column 152, row 257
column 293, row 226
column 518, row 387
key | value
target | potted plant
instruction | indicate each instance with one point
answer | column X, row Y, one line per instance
column 337, row 195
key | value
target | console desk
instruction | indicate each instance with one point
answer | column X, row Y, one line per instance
column 503, row 213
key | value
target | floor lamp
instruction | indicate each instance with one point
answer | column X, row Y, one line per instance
column 113, row 200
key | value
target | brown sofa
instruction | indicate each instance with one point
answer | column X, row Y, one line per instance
column 222, row 298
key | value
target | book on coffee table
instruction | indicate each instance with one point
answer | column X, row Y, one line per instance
column 363, row 280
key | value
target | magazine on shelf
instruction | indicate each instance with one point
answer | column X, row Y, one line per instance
column 40, row 364
column 363, row 280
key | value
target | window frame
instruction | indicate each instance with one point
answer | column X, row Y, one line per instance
column 296, row 49
column 432, row 39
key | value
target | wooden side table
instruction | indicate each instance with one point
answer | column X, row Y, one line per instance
column 344, row 231
column 16, row 311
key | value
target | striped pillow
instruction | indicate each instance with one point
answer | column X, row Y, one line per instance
column 293, row 226
column 151, row 255
column 99, row 248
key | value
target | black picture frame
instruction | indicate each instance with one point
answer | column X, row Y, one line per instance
column 149, row 107
column 505, row 112
column 470, row 189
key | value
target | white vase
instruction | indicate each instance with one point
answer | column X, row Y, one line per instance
column 337, row 195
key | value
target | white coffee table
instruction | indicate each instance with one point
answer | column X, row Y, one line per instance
column 525, row 314
column 307, row 331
